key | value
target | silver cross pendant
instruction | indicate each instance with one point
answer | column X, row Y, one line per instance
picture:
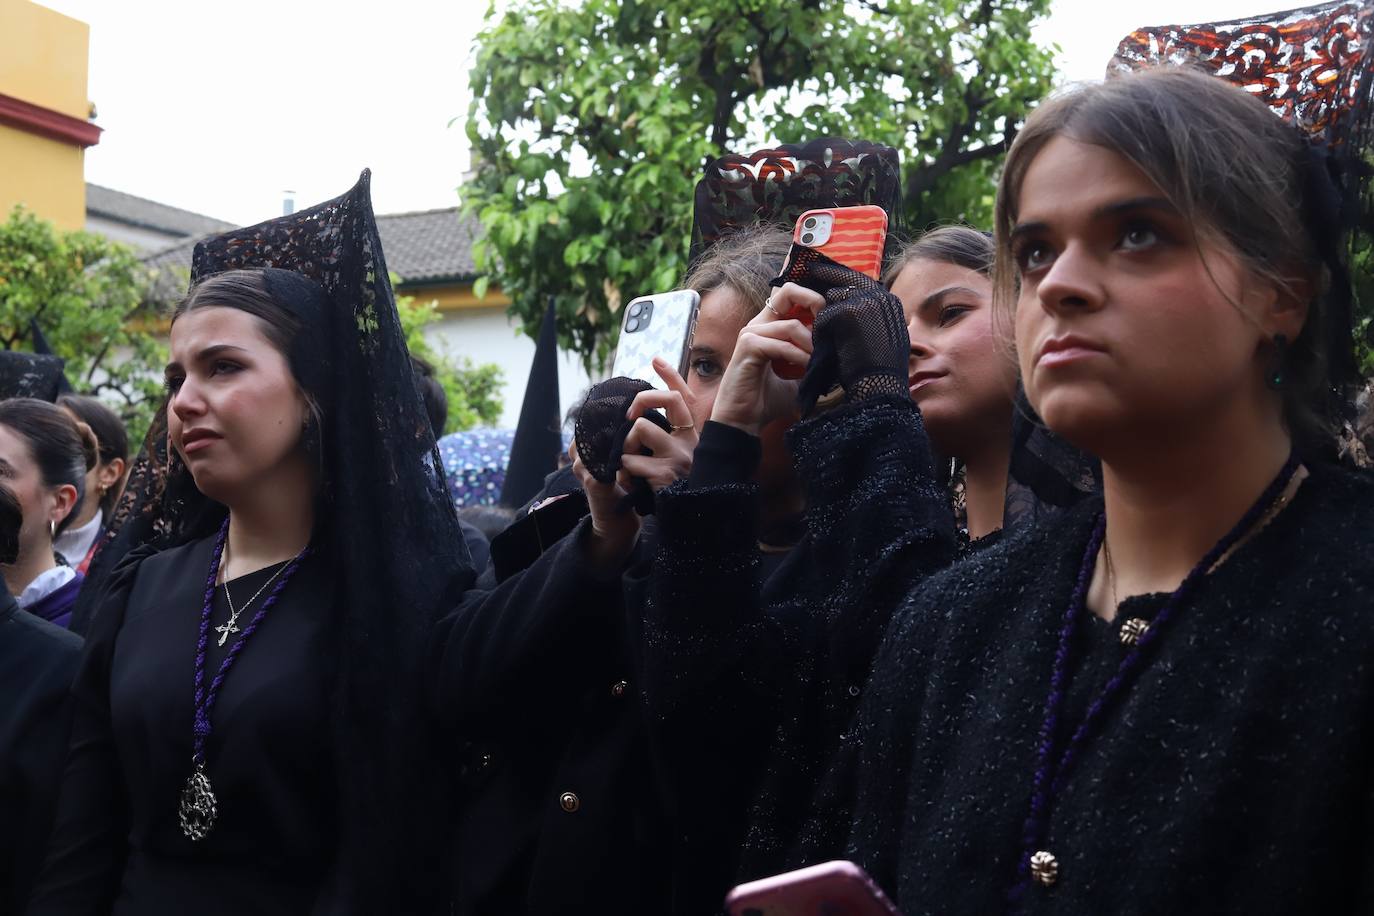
column 225, row 629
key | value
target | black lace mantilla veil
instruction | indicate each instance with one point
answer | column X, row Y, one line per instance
column 30, row 375
column 384, row 521
column 1314, row 67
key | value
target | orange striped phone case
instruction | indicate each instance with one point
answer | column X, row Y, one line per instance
column 853, row 236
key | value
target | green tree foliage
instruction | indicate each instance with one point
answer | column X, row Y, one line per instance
column 86, row 294
column 473, row 390
column 591, row 122
column 1362, row 274
column 101, row 310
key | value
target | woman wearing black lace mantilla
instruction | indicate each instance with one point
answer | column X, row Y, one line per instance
column 249, row 734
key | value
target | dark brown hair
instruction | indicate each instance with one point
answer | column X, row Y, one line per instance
column 63, row 449
column 432, row 393
column 245, row 290
column 745, row 262
column 110, row 436
column 962, row 246
column 1238, row 174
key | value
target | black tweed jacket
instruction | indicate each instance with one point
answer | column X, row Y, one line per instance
column 1234, row 776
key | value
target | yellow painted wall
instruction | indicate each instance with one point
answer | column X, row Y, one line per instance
column 457, row 296
column 43, row 57
column 43, row 61
column 46, row 176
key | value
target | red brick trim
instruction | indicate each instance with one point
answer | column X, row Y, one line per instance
column 47, row 123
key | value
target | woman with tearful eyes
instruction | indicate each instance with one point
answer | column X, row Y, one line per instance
column 249, row 733
column 1161, row 701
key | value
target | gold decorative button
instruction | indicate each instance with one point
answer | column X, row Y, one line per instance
column 569, row 802
column 1132, row 631
column 619, row 687
column 1044, row 868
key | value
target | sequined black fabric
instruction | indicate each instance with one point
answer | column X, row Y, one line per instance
column 753, row 681
column 1234, row 776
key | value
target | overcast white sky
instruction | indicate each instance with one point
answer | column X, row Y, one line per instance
column 218, row 108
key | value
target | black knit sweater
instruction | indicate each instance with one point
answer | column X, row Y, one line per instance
column 1233, row 775
column 752, row 679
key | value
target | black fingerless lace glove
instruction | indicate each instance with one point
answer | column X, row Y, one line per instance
column 859, row 340
column 600, row 433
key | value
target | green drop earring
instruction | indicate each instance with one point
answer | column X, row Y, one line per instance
column 1276, row 377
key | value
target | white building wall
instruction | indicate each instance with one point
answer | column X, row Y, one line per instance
column 487, row 335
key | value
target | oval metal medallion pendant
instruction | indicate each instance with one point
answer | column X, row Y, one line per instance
column 198, row 811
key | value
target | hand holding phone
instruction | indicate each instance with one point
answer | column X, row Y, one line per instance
column 852, row 236
column 830, row 889
column 751, row 395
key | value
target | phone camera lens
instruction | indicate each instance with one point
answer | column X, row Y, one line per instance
column 810, row 223
column 636, row 309
column 632, row 325
column 808, row 238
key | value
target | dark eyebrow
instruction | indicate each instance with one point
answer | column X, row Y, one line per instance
column 1135, row 203
column 1021, row 229
column 1160, row 204
column 702, row 348
column 214, row 350
column 208, row 353
column 939, row 296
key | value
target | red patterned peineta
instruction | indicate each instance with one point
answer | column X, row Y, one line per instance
column 1310, row 65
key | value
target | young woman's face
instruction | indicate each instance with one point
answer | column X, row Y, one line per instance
column 958, row 377
column 718, row 327
column 236, row 413
column 43, row 506
column 1128, row 327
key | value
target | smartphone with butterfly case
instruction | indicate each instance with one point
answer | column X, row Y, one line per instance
column 660, row 325
column 830, row 889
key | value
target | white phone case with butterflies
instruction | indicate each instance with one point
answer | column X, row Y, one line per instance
column 659, row 325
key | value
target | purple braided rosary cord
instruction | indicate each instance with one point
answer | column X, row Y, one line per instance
column 1049, row 777
column 205, row 700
